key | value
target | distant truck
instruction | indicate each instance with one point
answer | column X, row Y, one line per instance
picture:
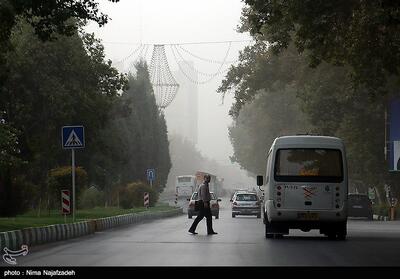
column 214, row 184
column 185, row 185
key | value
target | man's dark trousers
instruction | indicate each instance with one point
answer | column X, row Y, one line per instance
column 203, row 212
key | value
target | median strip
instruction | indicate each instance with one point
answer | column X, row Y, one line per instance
column 40, row 235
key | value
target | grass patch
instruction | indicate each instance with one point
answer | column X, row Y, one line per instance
column 31, row 219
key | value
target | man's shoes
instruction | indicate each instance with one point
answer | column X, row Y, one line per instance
column 212, row 233
column 192, row 232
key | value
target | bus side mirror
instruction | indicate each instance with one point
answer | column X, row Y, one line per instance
column 260, row 181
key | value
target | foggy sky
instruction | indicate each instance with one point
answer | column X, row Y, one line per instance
column 182, row 21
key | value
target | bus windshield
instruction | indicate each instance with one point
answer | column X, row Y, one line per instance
column 309, row 165
column 184, row 179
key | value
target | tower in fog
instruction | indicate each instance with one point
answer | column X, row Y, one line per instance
column 182, row 114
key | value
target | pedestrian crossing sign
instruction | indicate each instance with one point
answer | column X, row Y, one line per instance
column 73, row 137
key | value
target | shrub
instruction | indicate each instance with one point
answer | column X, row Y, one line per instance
column 91, row 198
column 132, row 195
column 60, row 179
column 381, row 209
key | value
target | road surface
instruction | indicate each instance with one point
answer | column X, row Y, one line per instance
column 240, row 242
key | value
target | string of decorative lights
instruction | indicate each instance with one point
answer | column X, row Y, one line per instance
column 190, row 65
column 164, row 84
column 141, row 45
column 185, row 43
column 212, row 76
column 206, row 59
column 140, row 56
column 132, row 53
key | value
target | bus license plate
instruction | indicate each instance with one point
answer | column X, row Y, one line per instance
column 308, row 216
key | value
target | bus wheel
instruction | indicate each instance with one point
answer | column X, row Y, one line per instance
column 341, row 236
column 342, row 231
column 331, row 235
column 267, row 229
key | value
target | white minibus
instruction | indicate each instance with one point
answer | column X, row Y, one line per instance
column 306, row 186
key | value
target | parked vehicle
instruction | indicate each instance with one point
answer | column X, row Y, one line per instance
column 359, row 205
column 246, row 203
column 306, row 186
column 214, row 205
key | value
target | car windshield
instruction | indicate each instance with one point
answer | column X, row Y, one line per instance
column 196, row 196
column 358, row 199
column 246, row 197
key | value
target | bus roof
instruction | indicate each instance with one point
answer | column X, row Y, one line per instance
column 308, row 140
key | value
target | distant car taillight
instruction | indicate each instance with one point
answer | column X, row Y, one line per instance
column 215, row 205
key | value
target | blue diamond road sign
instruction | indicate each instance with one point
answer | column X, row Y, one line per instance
column 73, row 137
column 151, row 174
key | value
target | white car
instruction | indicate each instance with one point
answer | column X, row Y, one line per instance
column 246, row 203
column 214, row 205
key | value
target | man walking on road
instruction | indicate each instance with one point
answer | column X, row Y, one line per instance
column 204, row 206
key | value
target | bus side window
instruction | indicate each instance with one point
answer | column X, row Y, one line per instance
column 268, row 167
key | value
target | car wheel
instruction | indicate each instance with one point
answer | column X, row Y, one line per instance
column 233, row 215
column 216, row 216
column 190, row 216
column 259, row 216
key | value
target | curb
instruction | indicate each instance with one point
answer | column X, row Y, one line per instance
column 119, row 220
column 39, row 235
column 13, row 240
column 380, row 218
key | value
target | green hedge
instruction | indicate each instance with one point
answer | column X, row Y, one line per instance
column 132, row 195
column 91, row 198
column 384, row 210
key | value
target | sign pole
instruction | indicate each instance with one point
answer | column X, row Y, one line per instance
column 73, row 185
column 73, row 137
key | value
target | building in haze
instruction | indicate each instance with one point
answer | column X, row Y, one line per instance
column 182, row 114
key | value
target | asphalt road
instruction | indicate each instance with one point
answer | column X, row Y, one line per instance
column 240, row 242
